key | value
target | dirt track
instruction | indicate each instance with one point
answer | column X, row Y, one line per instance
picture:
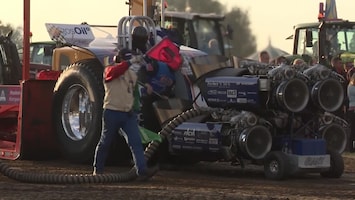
column 203, row 181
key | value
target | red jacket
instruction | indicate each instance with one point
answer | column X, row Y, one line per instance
column 112, row 72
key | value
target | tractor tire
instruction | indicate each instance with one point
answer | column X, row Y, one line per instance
column 276, row 165
column 78, row 99
column 336, row 166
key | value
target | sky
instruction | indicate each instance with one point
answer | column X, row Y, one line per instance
column 270, row 21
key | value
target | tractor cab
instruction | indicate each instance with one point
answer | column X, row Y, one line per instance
column 197, row 30
column 327, row 38
column 202, row 31
column 324, row 40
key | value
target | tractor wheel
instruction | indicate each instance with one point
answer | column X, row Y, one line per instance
column 78, row 99
column 336, row 166
column 276, row 165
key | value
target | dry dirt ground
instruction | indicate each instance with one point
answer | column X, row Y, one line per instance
column 202, row 181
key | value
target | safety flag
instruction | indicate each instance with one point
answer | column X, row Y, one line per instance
column 148, row 136
column 168, row 52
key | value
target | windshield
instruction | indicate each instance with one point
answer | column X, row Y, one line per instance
column 104, row 32
column 104, row 35
column 200, row 33
column 302, row 47
column 207, row 37
column 341, row 40
column 41, row 53
column 337, row 41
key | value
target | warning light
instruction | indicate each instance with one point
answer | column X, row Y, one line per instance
column 321, row 11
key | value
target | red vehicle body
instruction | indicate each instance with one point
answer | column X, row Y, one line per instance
column 25, row 121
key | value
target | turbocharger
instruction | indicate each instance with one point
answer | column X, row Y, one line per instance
column 290, row 90
column 327, row 91
column 250, row 136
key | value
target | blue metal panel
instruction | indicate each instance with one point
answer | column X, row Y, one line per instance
column 196, row 137
column 232, row 91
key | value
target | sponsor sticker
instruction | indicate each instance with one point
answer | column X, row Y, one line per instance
column 10, row 95
column 314, row 161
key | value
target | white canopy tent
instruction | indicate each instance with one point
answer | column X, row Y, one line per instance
column 273, row 52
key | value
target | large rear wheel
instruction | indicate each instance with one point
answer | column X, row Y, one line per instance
column 78, row 99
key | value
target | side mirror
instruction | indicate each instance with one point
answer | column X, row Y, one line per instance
column 309, row 38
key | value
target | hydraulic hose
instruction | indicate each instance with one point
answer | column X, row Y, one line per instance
column 49, row 178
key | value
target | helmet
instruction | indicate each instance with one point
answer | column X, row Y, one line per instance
column 140, row 32
column 139, row 38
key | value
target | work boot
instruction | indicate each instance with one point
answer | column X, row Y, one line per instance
column 96, row 172
column 151, row 171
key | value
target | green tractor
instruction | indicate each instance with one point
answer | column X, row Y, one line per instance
column 325, row 39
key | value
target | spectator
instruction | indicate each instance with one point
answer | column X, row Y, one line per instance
column 351, row 110
column 309, row 60
column 350, row 69
column 281, row 60
column 298, row 62
column 213, row 48
column 338, row 67
column 264, row 57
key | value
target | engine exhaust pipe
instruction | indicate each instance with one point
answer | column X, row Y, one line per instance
column 255, row 141
column 328, row 95
column 335, row 137
column 293, row 95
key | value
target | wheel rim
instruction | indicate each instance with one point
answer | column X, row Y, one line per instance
column 76, row 112
column 274, row 167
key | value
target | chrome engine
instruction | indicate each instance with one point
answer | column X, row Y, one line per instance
column 254, row 103
column 327, row 92
column 244, row 133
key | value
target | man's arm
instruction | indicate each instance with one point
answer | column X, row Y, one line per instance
column 112, row 72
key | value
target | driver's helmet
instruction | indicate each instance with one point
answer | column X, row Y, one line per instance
column 140, row 32
column 139, row 38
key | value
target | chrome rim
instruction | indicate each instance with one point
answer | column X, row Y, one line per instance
column 274, row 167
column 77, row 112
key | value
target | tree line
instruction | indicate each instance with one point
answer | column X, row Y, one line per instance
column 16, row 35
